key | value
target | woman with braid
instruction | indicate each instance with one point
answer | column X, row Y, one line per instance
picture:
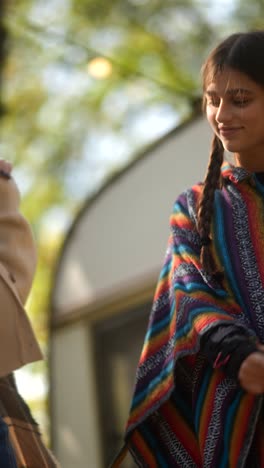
column 198, row 399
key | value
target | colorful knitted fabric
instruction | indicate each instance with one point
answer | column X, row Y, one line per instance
column 185, row 413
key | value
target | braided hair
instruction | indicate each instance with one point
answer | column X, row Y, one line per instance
column 241, row 52
column 211, row 183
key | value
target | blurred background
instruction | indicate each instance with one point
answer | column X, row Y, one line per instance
column 100, row 115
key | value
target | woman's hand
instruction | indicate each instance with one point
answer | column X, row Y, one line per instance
column 251, row 372
column 5, row 168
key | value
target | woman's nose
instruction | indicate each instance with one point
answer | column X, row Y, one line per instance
column 224, row 113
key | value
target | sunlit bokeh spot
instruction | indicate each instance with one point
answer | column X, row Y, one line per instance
column 100, row 68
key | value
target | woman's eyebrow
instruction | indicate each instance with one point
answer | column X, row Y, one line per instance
column 238, row 91
column 230, row 91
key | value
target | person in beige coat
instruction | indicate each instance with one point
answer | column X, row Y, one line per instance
column 18, row 345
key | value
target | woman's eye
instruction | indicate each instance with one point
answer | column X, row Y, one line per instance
column 213, row 102
column 241, row 102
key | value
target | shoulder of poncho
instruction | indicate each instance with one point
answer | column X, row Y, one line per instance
column 194, row 190
column 188, row 200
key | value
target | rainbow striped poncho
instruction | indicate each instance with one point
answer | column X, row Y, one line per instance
column 184, row 413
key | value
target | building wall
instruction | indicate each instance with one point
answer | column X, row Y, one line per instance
column 74, row 404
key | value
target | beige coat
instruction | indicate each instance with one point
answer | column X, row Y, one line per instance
column 18, row 345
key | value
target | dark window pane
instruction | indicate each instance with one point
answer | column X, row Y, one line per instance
column 118, row 343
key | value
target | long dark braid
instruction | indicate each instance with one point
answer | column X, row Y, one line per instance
column 211, row 183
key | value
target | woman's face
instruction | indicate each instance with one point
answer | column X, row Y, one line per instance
column 235, row 111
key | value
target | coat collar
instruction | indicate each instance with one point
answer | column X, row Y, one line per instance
column 235, row 174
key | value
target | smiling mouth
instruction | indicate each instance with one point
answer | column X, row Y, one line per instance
column 228, row 131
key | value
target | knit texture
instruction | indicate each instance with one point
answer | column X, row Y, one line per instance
column 184, row 413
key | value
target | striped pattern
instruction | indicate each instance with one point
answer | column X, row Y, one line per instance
column 183, row 412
